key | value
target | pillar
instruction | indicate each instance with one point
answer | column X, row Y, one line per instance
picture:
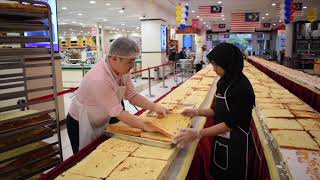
column 289, row 40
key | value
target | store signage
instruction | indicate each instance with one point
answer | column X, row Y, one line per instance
column 312, row 14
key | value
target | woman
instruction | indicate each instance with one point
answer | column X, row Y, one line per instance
column 232, row 108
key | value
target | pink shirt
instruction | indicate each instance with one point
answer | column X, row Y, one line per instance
column 98, row 92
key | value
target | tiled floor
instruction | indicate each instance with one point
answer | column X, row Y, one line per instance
column 157, row 91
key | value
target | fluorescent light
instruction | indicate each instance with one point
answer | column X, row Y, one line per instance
column 121, row 11
column 193, row 11
column 113, row 28
column 219, row 2
column 108, row 4
column 262, row 17
column 80, row 14
column 122, row 24
column 73, row 22
column 64, row 8
column 267, row 14
column 304, row 7
column 273, row 4
column 83, row 26
column 92, row 2
column 81, row 23
column 105, row 20
column 137, row 27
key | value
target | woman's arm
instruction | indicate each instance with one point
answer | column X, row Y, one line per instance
column 214, row 130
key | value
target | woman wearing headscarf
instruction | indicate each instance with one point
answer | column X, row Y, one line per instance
column 231, row 109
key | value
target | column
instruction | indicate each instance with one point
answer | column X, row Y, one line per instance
column 289, row 40
column 98, row 42
column 151, row 52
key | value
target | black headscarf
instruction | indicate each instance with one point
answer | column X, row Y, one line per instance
column 228, row 57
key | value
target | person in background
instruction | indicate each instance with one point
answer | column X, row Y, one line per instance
column 188, row 52
column 201, row 58
column 182, row 54
column 101, row 92
column 232, row 110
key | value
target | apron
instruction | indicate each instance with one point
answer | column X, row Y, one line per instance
column 88, row 131
column 230, row 150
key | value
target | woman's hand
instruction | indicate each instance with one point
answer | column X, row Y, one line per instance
column 186, row 136
column 191, row 112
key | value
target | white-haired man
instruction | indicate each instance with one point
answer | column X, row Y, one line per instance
column 101, row 92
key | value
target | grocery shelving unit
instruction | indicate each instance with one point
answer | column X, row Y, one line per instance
column 23, row 153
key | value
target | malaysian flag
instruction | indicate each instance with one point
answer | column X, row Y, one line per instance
column 219, row 28
column 210, row 11
column 244, row 22
column 264, row 27
column 297, row 7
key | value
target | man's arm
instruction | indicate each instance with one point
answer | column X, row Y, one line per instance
column 142, row 102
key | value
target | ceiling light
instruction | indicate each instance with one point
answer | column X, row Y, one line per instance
column 279, row 21
column 113, row 28
column 137, row 27
column 304, row 7
column 267, row 14
column 105, row 20
column 273, row 4
column 187, row 4
column 219, row 2
column 108, row 4
column 80, row 14
column 274, row 24
column 193, row 11
column 64, row 8
column 95, row 25
column 128, row 31
column 223, row 19
column 70, row 29
column 81, row 23
column 117, row 29
column 83, row 26
column 92, row 2
column 122, row 24
column 121, row 10
column 81, row 31
column 73, row 22
column 204, row 23
column 65, row 32
column 88, row 32
column 222, row 15
column 198, row 16
column 201, row 19
column 262, row 17
column 123, row 30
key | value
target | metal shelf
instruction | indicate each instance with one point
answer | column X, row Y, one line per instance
column 23, row 39
column 24, row 140
column 22, row 27
column 23, row 51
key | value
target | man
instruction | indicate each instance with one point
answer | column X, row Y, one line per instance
column 100, row 93
column 200, row 58
column 182, row 54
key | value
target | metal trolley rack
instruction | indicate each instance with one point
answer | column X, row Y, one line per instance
column 23, row 153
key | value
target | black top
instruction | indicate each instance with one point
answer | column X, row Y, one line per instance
column 240, row 99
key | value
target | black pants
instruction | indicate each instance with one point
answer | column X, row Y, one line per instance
column 73, row 133
column 198, row 67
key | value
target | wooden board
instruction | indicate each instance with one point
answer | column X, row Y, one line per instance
column 141, row 140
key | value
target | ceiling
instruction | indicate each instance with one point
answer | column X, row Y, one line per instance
column 78, row 16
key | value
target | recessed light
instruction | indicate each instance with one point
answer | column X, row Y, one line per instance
column 121, row 11
column 95, row 25
column 73, row 22
column 193, row 11
column 81, row 23
column 122, row 24
column 273, row 4
column 274, row 24
column 198, row 16
column 105, row 20
column 223, row 19
column 113, row 28
column 279, row 21
column 108, row 4
column 262, row 17
column 304, row 7
column 267, row 14
column 80, row 14
column 137, row 27
column 92, row 2
column 219, row 2
column 83, row 26
column 64, row 8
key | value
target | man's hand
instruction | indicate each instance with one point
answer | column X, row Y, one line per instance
column 160, row 110
column 191, row 112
